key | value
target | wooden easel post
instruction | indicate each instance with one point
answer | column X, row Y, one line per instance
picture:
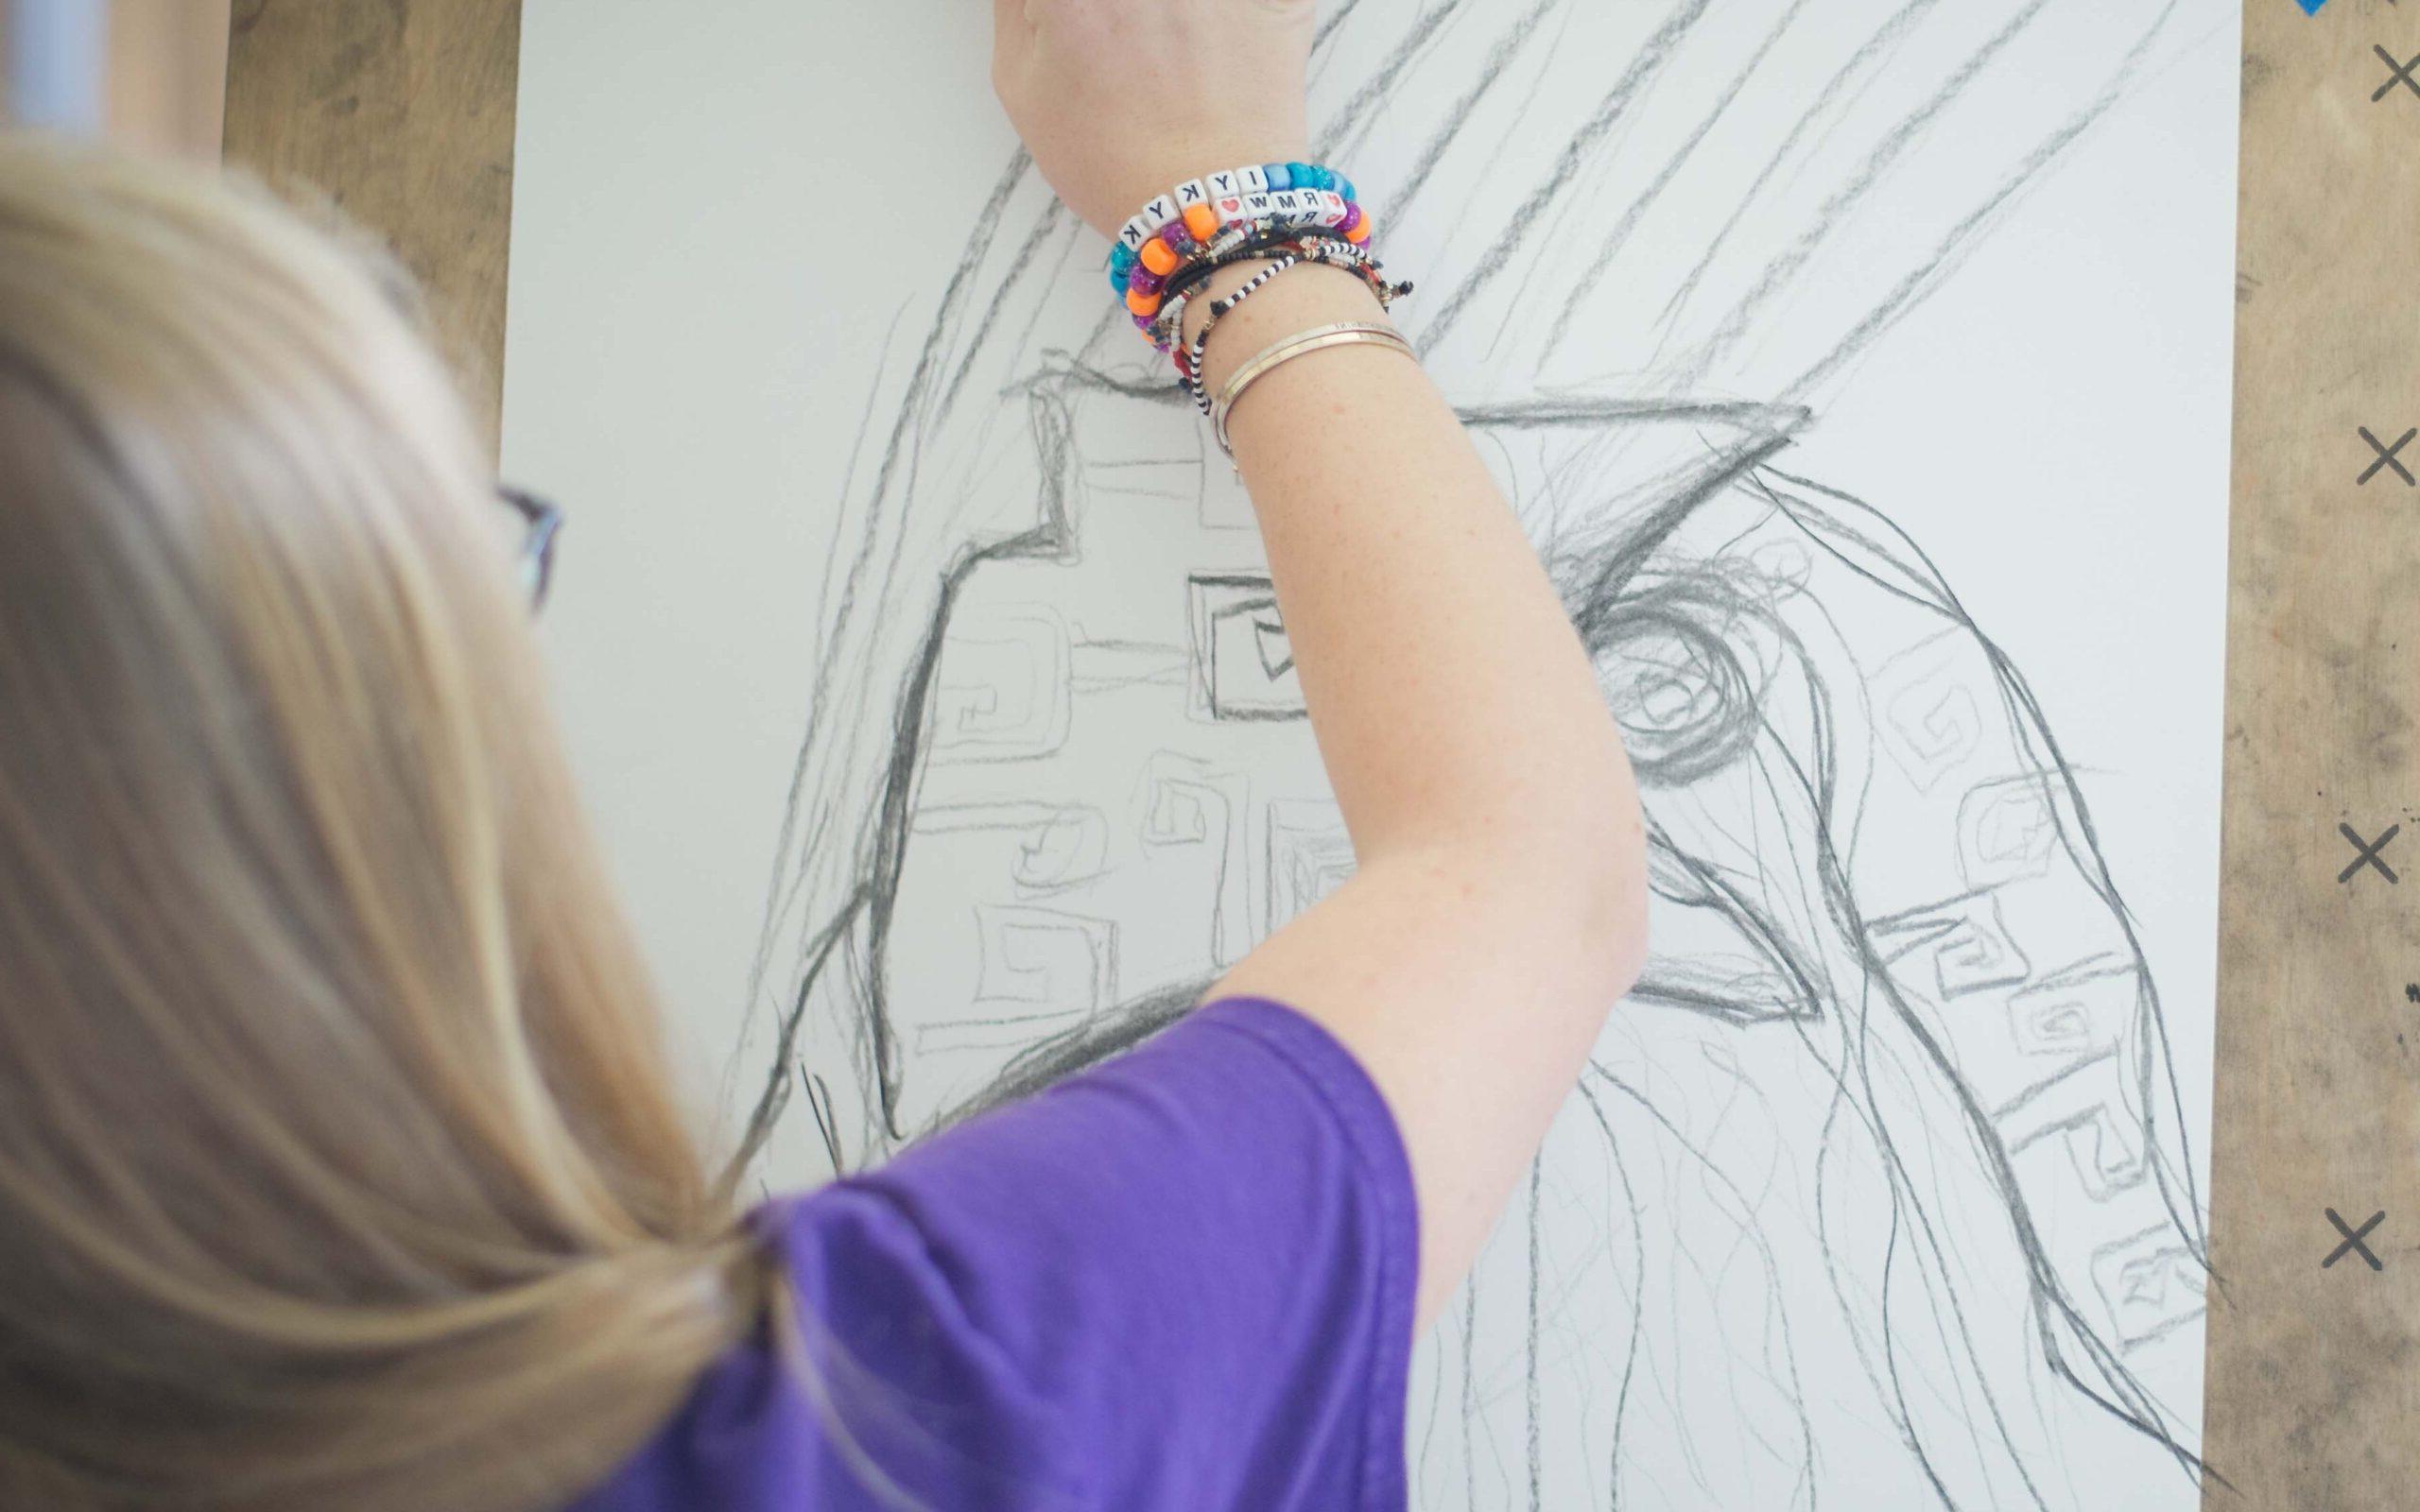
column 2314, row 1365
column 403, row 112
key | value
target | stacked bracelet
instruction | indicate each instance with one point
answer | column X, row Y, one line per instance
column 1173, row 229
column 1280, row 215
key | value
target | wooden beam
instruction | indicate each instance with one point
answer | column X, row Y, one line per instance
column 167, row 88
column 402, row 112
column 2314, row 1363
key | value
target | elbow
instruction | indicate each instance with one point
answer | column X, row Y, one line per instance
column 1618, row 874
column 1585, row 875
column 1612, row 886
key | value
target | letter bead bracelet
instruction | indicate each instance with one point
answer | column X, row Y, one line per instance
column 1300, row 194
column 1177, row 241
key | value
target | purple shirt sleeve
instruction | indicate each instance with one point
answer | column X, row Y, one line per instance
column 1180, row 1280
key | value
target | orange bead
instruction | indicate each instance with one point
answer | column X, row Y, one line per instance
column 1142, row 303
column 1159, row 257
column 1203, row 221
column 1359, row 233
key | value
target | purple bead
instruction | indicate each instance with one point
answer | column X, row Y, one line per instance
column 1352, row 219
column 1144, row 282
column 1177, row 236
column 1144, row 323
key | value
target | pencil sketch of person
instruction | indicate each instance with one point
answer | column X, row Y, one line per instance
column 1879, row 1193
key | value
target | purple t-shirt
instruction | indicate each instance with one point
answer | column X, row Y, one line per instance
column 1180, row 1280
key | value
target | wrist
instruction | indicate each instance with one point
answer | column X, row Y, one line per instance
column 1220, row 283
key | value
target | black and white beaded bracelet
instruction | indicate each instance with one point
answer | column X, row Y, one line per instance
column 1191, row 370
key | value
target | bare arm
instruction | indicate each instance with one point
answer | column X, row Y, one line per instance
column 1499, row 906
column 1498, row 910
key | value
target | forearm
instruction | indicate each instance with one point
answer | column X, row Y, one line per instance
column 1499, row 909
column 1453, row 702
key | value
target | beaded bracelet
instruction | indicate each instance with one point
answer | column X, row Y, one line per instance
column 1164, row 330
column 1203, row 205
column 1148, row 292
column 1262, row 239
column 1189, row 364
column 1314, row 246
column 1250, row 243
column 1157, row 241
column 1176, row 248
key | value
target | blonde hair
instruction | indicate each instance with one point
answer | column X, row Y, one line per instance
column 338, row 1164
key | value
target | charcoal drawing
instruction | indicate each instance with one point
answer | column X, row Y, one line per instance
column 1880, row 1191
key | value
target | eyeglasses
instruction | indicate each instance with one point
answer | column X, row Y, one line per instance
column 541, row 522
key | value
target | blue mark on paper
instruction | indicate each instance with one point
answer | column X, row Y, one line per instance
column 2310, row 7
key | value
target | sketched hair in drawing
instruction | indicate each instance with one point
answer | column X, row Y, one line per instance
column 1879, row 1186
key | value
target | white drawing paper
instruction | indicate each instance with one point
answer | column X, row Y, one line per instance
column 1859, row 366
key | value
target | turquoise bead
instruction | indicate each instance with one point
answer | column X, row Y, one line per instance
column 1345, row 187
column 1321, row 178
column 1117, row 280
column 1121, row 258
column 1299, row 175
column 1280, row 176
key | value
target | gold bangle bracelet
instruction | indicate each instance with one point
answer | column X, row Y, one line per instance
column 1300, row 344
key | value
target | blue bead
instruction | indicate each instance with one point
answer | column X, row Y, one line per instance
column 1121, row 258
column 1345, row 187
column 1281, row 176
column 1117, row 280
column 1299, row 174
column 1322, row 177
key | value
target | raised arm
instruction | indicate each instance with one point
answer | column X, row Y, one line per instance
column 1498, row 910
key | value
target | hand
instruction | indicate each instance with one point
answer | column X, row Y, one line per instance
column 1121, row 101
